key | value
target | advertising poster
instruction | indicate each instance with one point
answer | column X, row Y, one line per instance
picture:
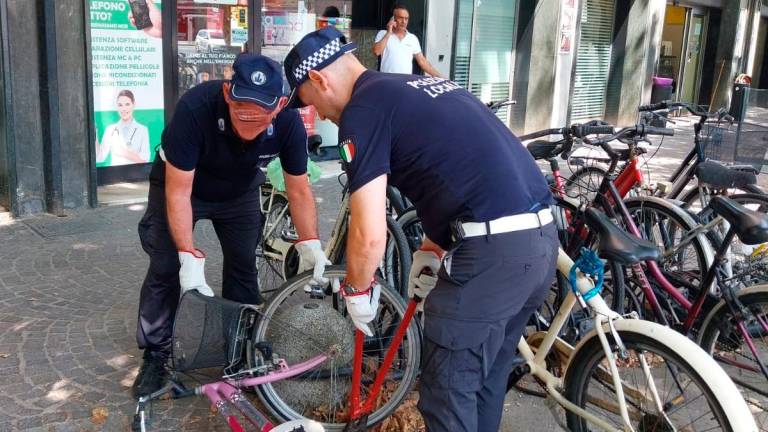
column 568, row 18
column 126, row 49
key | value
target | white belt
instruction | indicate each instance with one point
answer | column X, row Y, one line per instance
column 519, row 222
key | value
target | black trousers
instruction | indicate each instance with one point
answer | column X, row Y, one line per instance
column 238, row 226
column 487, row 289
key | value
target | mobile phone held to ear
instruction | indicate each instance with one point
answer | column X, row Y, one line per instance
column 140, row 12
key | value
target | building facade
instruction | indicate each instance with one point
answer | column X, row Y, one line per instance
column 87, row 85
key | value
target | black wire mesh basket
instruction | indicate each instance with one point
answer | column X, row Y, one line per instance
column 752, row 145
column 210, row 332
column 719, row 142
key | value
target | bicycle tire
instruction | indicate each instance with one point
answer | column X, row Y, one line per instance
column 410, row 222
column 689, row 198
column 398, row 203
column 584, row 182
column 699, row 249
column 271, row 270
column 728, row 411
column 397, row 258
column 743, row 265
column 719, row 338
column 292, row 298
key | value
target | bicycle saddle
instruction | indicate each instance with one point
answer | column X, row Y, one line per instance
column 751, row 226
column 720, row 176
column 745, row 168
column 618, row 245
column 541, row 149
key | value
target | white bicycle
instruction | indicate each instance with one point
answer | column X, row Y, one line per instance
column 623, row 375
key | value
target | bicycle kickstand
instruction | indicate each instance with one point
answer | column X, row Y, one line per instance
column 359, row 424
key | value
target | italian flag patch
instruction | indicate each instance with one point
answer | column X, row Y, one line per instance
column 347, row 150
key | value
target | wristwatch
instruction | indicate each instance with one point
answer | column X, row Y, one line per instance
column 348, row 290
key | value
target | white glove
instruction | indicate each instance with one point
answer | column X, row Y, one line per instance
column 192, row 272
column 311, row 256
column 423, row 276
column 361, row 306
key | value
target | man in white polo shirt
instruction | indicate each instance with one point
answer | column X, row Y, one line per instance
column 397, row 47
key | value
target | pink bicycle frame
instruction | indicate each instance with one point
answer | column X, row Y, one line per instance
column 228, row 399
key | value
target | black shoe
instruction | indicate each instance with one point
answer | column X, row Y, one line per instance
column 152, row 375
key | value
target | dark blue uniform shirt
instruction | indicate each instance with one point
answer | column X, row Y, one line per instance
column 441, row 147
column 200, row 137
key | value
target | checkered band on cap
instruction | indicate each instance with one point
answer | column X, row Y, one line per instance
column 317, row 58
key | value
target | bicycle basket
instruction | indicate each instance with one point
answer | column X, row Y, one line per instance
column 718, row 142
column 210, row 332
column 752, row 147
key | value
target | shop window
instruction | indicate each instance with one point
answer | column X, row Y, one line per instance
column 126, row 51
column 485, row 43
column 284, row 23
column 210, row 35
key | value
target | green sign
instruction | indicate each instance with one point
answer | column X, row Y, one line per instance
column 127, row 81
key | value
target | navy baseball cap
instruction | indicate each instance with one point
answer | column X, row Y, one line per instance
column 256, row 79
column 315, row 50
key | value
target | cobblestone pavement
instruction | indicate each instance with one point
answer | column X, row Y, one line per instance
column 68, row 297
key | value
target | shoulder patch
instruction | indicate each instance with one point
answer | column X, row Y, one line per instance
column 347, row 150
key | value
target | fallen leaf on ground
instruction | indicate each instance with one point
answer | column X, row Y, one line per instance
column 99, row 415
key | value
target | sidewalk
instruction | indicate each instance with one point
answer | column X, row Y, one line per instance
column 68, row 297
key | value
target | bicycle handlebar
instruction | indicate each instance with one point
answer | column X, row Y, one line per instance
column 543, row 133
column 637, row 131
column 582, row 131
column 720, row 114
column 664, row 105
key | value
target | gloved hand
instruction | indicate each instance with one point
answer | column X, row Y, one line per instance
column 361, row 305
column 192, row 274
column 423, row 275
column 311, row 256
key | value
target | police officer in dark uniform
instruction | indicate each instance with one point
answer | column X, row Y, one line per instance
column 209, row 167
column 491, row 244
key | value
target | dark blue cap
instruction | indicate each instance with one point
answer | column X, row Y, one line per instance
column 314, row 51
column 256, row 79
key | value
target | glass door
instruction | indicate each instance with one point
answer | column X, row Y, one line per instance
column 484, row 49
column 693, row 54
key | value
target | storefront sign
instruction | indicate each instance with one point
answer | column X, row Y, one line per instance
column 127, row 80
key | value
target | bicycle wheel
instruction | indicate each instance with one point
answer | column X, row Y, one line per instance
column 690, row 397
column 410, row 222
column 722, row 339
column 279, row 235
column 301, row 325
column 396, row 264
column 397, row 203
column 584, row 183
column 692, row 199
column 659, row 221
column 747, row 264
